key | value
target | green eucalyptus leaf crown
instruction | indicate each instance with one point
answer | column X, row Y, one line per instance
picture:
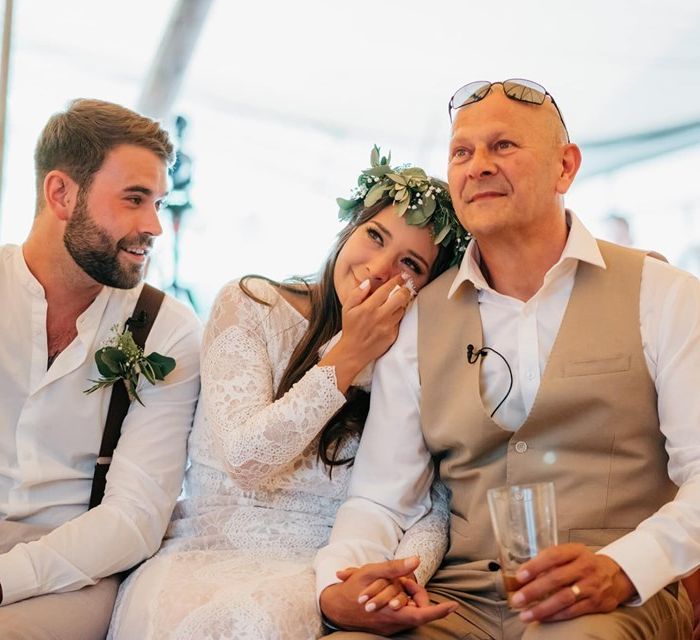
column 420, row 199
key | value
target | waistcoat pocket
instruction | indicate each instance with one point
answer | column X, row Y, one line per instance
column 596, row 537
column 596, row 367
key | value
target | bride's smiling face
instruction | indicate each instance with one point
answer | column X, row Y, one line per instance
column 382, row 248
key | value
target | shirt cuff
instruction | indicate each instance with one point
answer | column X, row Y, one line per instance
column 325, row 566
column 643, row 560
column 19, row 580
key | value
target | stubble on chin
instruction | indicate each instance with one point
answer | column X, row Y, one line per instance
column 97, row 254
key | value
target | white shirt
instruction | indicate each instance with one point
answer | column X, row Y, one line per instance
column 393, row 469
column 50, row 433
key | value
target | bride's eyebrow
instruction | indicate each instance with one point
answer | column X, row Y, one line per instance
column 383, row 228
column 417, row 256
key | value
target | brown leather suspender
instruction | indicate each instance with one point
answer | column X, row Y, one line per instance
column 140, row 324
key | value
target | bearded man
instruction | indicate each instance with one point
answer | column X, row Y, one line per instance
column 101, row 177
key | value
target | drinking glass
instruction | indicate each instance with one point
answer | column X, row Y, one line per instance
column 524, row 521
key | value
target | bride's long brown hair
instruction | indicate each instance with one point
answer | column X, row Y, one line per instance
column 325, row 320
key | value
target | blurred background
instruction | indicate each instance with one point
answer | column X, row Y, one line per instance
column 276, row 105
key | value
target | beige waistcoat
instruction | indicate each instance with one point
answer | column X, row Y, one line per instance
column 593, row 429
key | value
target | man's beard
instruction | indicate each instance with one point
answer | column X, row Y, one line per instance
column 96, row 253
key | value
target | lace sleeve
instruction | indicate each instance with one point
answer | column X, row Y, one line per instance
column 428, row 538
column 256, row 435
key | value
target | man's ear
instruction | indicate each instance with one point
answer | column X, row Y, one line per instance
column 60, row 194
column 570, row 164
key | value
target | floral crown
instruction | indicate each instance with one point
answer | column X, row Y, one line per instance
column 420, row 199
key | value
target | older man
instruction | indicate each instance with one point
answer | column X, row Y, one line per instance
column 101, row 178
column 601, row 345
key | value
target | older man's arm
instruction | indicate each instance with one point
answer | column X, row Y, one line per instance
column 389, row 492
column 666, row 546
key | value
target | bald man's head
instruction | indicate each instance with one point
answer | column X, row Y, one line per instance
column 524, row 92
column 510, row 162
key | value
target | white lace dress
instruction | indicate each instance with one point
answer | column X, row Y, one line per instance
column 237, row 559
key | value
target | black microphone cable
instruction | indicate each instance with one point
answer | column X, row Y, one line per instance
column 473, row 357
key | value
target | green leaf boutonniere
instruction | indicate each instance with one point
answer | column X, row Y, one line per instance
column 122, row 359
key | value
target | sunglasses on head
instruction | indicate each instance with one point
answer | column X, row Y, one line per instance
column 515, row 88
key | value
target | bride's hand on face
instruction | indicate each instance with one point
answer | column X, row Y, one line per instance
column 370, row 326
column 371, row 322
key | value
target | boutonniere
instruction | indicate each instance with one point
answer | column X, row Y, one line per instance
column 122, row 359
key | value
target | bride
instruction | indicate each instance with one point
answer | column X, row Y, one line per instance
column 284, row 372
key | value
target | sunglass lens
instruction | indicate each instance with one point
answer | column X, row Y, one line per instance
column 472, row 92
column 479, row 94
column 525, row 91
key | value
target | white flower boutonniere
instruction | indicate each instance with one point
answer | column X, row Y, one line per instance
column 122, row 359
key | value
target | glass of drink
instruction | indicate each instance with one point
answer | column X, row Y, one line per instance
column 524, row 520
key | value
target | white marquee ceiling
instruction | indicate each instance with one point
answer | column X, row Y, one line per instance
column 387, row 67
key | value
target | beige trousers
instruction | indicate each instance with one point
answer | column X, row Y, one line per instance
column 663, row 617
column 76, row 615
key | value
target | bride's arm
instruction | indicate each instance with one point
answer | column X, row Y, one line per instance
column 257, row 435
column 428, row 538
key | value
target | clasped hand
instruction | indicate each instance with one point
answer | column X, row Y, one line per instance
column 382, row 597
column 569, row 580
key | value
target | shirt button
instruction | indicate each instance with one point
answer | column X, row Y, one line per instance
column 530, row 374
column 521, row 446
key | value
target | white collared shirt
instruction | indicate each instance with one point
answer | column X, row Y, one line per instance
column 50, row 433
column 393, row 470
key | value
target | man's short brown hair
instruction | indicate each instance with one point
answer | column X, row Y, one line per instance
column 78, row 139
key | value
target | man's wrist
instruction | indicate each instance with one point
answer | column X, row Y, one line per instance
column 625, row 586
column 323, row 600
column 326, row 623
column 327, row 609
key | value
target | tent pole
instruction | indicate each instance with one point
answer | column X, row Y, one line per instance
column 4, row 82
column 167, row 71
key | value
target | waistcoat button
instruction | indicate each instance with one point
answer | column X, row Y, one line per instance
column 521, row 446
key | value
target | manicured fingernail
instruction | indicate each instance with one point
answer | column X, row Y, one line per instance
column 394, row 290
column 411, row 286
column 364, row 284
column 405, row 276
column 395, row 604
column 409, row 562
column 518, row 599
column 526, row 616
column 362, row 599
column 370, row 607
column 454, row 607
column 523, row 576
